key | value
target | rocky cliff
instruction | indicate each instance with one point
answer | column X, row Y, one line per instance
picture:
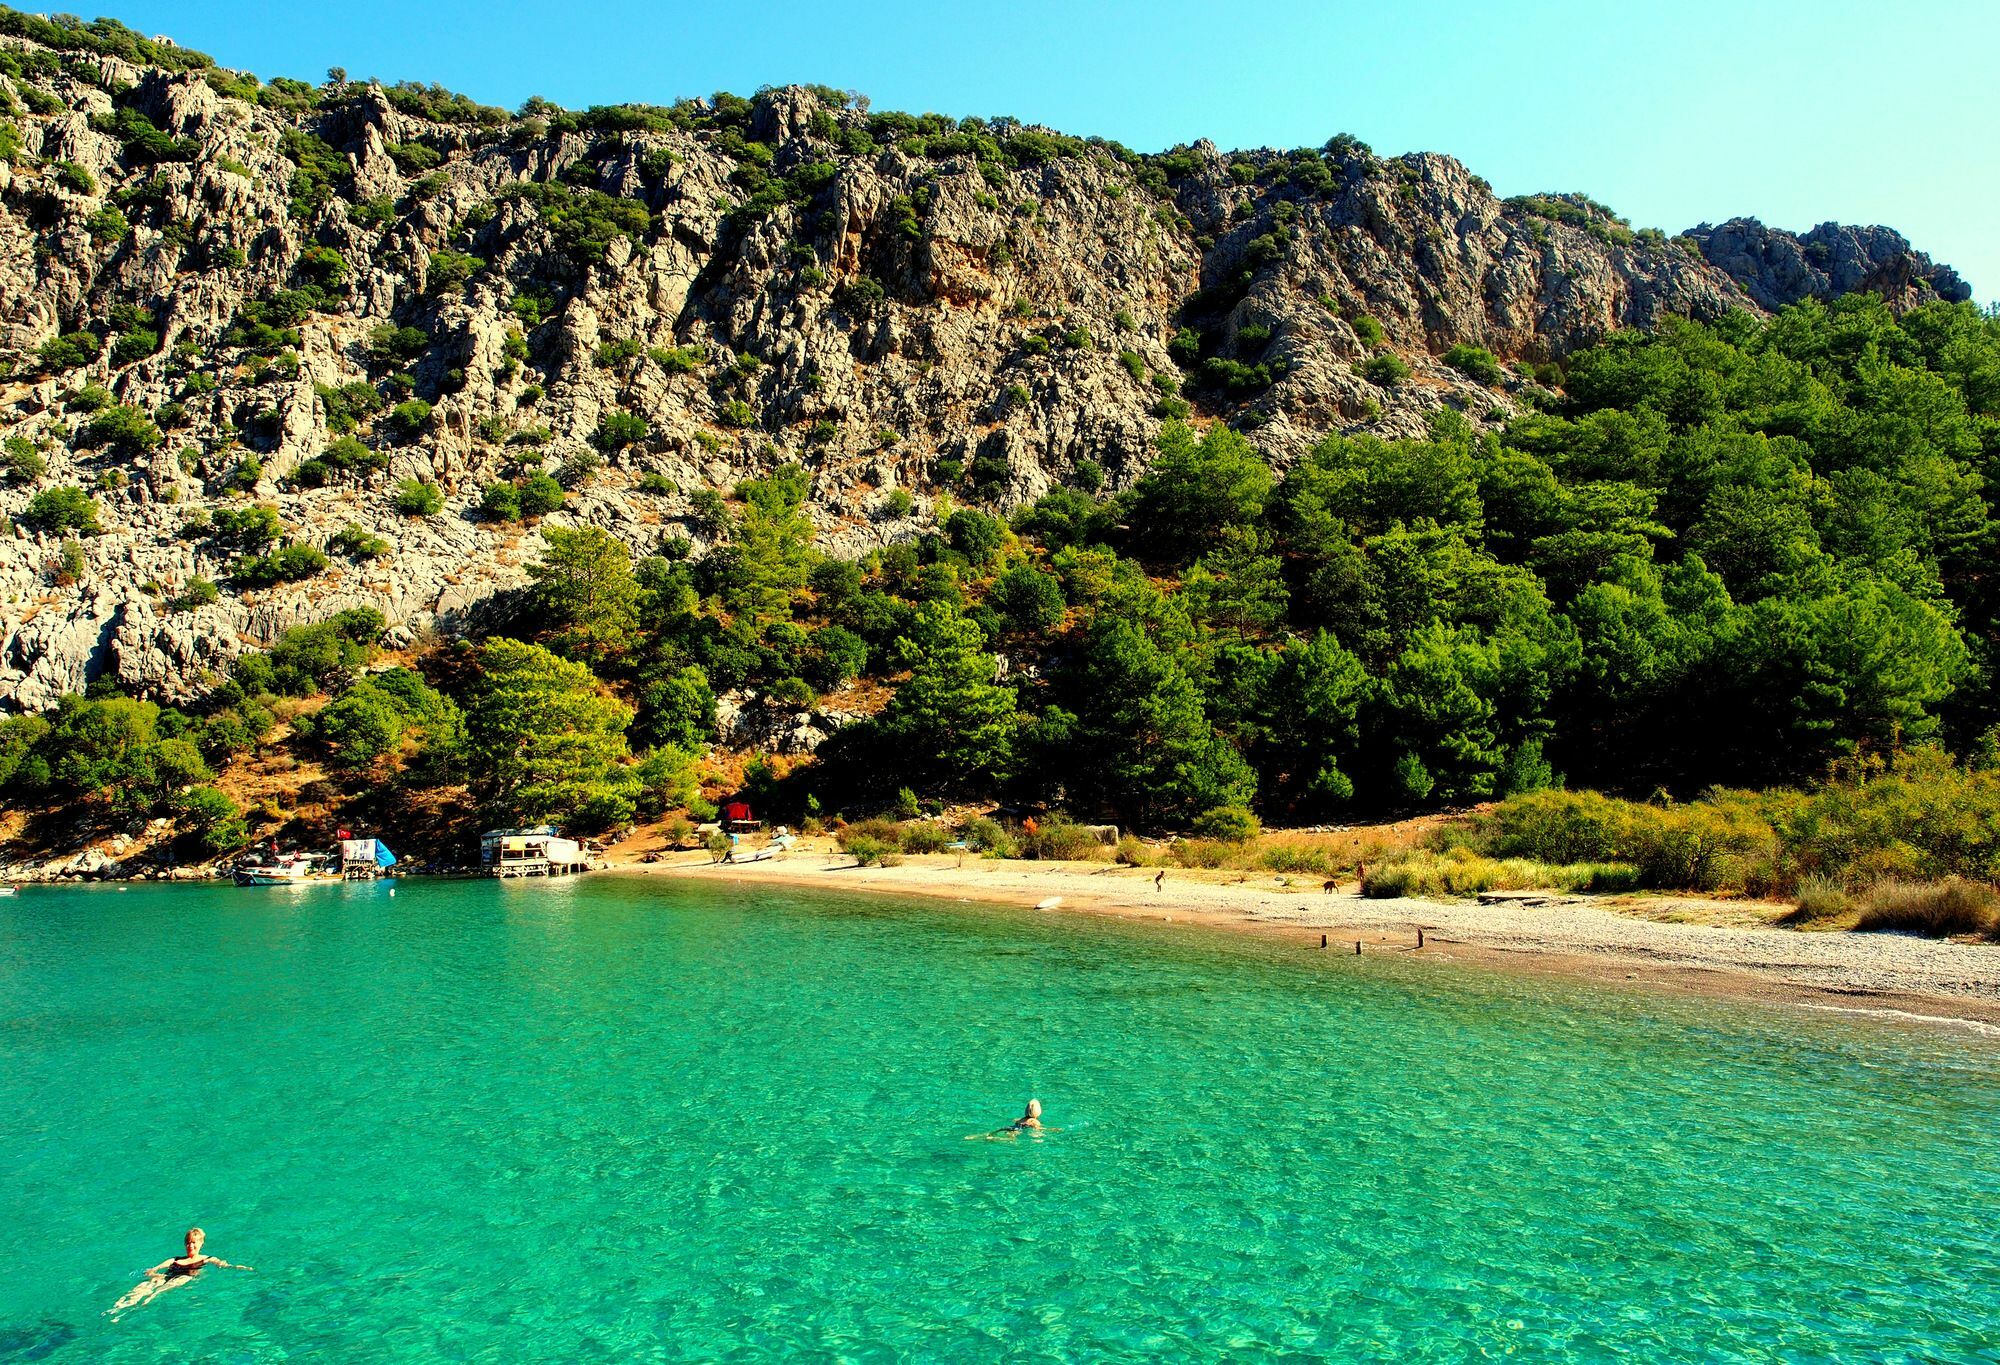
column 1777, row 268
column 217, row 295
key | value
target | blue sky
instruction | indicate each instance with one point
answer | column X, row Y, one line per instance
column 1789, row 111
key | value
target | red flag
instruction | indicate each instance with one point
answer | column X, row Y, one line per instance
column 345, row 835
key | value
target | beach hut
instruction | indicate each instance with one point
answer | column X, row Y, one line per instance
column 736, row 816
column 364, row 858
column 538, row 851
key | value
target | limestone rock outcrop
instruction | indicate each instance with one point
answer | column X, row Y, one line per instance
column 310, row 297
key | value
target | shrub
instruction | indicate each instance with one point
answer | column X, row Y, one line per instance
column 244, row 528
column 109, row 225
column 1475, row 363
column 584, row 221
column 983, row 835
column 501, row 501
column 408, row 418
column 287, row 564
column 864, row 848
column 1695, row 847
column 122, row 428
column 1298, row 858
column 1200, row 852
column 878, row 828
column 74, row 178
column 356, row 543
column 619, row 350
column 924, row 837
column 736, row 413
column 91, row 397
column 1386, row 370
column 68, row 351
column 861, row 292
column 389, row 344
column 616, row 430
column 135, row 345
column 1229, row 824
column 23, row 463
column 540, row 495
column 975, row 535
column 655, row 483
column 1820, row 897
column 66, row 508
column 414, row 158
column 1060, row 839
column 210, row 818
column 449, row 270
column 195, row 593
column 1133, row 852
column 1461, row 872
column 415, row 498
column 349, row 455
column 1933, row 909
column 678, row 359
column 578, row 469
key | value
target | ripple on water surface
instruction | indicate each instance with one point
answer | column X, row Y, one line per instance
column 615, row 1120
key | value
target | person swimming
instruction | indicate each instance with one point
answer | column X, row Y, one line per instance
column 172, row 1273
column 1029, row 1122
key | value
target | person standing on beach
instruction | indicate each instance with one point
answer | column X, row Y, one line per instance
column 172, row 1273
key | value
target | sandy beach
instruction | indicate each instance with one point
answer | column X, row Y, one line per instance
column 1631, row 940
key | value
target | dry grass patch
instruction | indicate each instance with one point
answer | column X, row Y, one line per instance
column 1934, row 909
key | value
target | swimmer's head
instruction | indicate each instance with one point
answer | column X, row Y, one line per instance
column 1034, row 1109
column 195, row 1238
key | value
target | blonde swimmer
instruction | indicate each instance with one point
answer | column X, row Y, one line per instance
column 172, row 1273
column 1029, row 1122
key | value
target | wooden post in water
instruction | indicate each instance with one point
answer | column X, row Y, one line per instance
column 1357, row 947
column 1420, row 935
column 1322, row 940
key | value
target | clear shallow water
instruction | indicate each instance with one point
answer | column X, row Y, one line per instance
column 620, row 1120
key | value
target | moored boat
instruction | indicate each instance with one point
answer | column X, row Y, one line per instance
column 298, row 869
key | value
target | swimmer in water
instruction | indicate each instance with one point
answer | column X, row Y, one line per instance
column 1029, row 1122
column 172, row 1273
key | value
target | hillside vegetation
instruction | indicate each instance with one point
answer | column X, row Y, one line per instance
column 1738, row 554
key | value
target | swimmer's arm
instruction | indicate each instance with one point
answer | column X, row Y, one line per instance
column 226, row 1265
column 161, row 1268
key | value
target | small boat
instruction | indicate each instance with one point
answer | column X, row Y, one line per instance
column 6, row 890
column 298, row 869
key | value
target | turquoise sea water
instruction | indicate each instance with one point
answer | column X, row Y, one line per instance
column 615, row 1119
